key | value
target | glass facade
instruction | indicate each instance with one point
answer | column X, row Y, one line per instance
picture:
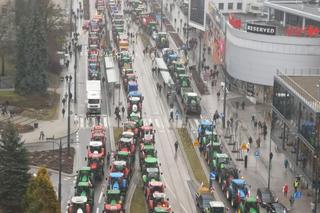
column 295, row 127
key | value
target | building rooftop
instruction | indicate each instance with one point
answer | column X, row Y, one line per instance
column 307, row 87
column 300, row 8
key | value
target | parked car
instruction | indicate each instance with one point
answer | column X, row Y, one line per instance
column 265, row 197
column 277, row 208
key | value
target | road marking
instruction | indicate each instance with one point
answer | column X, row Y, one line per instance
column 105, row 123
column 100, row 197
column 97, row 210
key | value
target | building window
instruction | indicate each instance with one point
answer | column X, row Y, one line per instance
column 239, row 6
column 221, row 6
column 230, row 6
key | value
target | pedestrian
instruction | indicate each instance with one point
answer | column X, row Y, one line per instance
column 103, row 80
column 63, row 101
column 237, row 104
column 242, row 105
column 75, row 119
column 295, row 185
column 63, row 111
column 258, row 141
column 133, row 52
column 67, row 63
column 250, row 140
column 176, row 145
column 285, row 189
column 218, row 95
column 271, row 156
column 160, row 87
column 171, row 115
column 286, row 164
column 291, row 200
column 123, row 110
column 41, row 137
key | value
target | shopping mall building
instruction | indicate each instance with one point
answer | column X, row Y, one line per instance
column 285, row 39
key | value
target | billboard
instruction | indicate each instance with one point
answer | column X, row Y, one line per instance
column 197, row 14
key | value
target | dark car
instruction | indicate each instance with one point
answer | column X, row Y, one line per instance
column 203, row 200
column 265, row 197
column 277, row 208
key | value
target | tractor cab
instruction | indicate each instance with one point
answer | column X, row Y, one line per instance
column 84, row 189
column 162, row 40
column 136, row 117
column 249, row 205
column 126, row 72
column 147, row 134
column 128, row 134
column 134, row 104
column 150, row 162
column 160, row 209
column 158, row 199
column 152, row 187
column 130, row 126
column 79, row 204
column 95, row 149
column 184, row 81
column 129, row 77
column 123, row 156
column 96, row 165
column 117, row 181
column 226, row 174
column 85, row 175
column 217, row 207
column 98, row 133
column 192, row 100
column 126, row 144
column 205, row 125
column 151, row 174
column 237, row 192
column 218, row 162
column 132, row 86
column 113, row 201
column 147, row 150
column 120, row 166
column 169, row 55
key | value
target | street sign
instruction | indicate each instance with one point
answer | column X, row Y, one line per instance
column 257, row 153
column 297, row 195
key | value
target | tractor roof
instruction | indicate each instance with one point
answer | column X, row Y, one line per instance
column 127, row 134
column 162, row 33
column 134, row 98
column 95, row 143
column 155, row 183
column 222, row 155
column 205, row 122
column 148, row 147
column 123, row 153
column 239, row 181
column 159, row 195
column 135, row 93
column 116, row 174
column 160, row 210
column 113, row 191
column 152, row 170
column 85, row 168
column 193, row 94
column 119, row 163
column 216, row 204
column 132, row 83
column 125, row 140
column 79, row 199
column 84, row 184
column 150, row 160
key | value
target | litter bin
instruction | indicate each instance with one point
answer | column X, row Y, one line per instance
column 35, row 125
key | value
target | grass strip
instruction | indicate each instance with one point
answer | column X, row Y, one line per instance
column 191, row 154
column 138, row 204
column 145, row 39
column 117, row 134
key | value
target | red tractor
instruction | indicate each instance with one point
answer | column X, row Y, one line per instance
column 126, row 144
column 98, row 133
column 147, row 134
column 79, row 204
column 95, row 156
column 130, row 126
column 152, row 187
column 120, row 166
column 157, row 200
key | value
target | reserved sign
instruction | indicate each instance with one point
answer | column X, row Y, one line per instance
column 261, row 29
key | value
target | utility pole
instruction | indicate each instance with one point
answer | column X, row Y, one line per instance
column 269, row 169
column 70, row 18
column 224, row 100
column 75, row 73
column 200, row 62
column 60, row 168
column 69, row 100
column 161, row 15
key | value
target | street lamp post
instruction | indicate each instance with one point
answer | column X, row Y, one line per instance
column 199, row 63
column 161, row 15
column 224, row 101
column 269, row 168
column 69, row 79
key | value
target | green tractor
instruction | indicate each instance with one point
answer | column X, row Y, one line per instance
column 177, row 68
column 150, row 174
column 162, row 40
column 190, row 101
column 85, row 189
column 85, row 175
column 149, row 162
column 113, row 201
column 248, row 205
column 136, row 117
column 183, row 83
column 127, row 157
column 147, row 150
column 217, row 165
column 210, row 145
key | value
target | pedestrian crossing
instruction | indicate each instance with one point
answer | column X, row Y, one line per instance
column 157, row 122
